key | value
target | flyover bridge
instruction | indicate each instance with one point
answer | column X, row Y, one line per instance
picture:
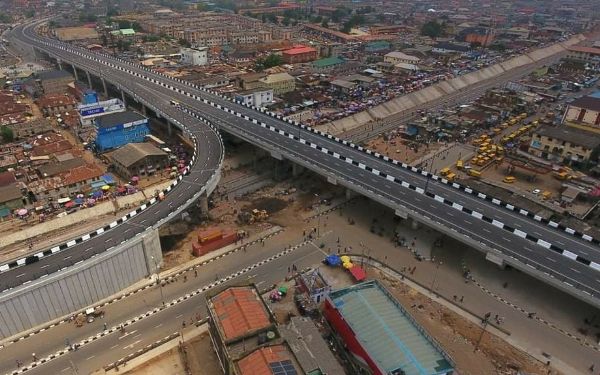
column 547, row 250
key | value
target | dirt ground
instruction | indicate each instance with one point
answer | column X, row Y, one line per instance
column 459, row 336
column 201, row 356
column 402, row 149
column 169, row 362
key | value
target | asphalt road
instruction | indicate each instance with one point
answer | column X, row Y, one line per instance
column 300, row 145
column 150, row 329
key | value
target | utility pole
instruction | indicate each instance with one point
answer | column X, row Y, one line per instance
column 484, row 323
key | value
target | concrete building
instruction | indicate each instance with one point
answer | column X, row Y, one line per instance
column 138, row 159
column 299, row 54
column 54, row 104
column 194, row 56
column 582, row 54
column 397, row 57
column 280, row 83
column 29, row 128
column 11, row 197
column 257, row 97
column 382, row 336
column 55, row 81
column 563, row 144
column 584, row 113
column 244, row 334
column 88, row 112
column 118, row 129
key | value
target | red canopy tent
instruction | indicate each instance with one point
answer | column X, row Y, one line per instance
column 358, row 273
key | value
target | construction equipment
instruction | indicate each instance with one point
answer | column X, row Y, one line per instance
column 250, row 217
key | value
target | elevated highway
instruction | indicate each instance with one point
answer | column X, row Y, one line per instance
column 558, row 255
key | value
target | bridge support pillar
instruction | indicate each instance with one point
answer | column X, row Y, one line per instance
column 89, row 79
column 350, row 194
column 169, row 128
column 297, row 170
column 75, row 72
column 495, row 259
column 414, row 225
column 144, row 111
column 331, row 180
column 59, row 63
column 104, row 87
column 401, row 213
column 276, row 155
column 123, row 98
column 203, row 205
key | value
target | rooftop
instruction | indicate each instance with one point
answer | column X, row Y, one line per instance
column 239, row 311
column 309, row 347
column 587, row 102
column 118, row 118
column 329, row 61
column 402, row 55
column 277, row 77
column 591, row 50
column 52, row 169
column 131, row 153
column 299, row 50
column 10, row 193
column 268, row 360
column 570, row 134
column 387, row 332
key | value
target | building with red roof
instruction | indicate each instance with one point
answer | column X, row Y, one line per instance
column 299, row 54
column 245, row 335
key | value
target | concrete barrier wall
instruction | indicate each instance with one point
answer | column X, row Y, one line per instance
column 78, row 286
column 409, row 101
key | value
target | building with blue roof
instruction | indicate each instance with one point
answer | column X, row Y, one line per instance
column 120, row 128
column 382, row 336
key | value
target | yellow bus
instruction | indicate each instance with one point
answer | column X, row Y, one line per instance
column 445, row 171
column 509, row 179
column 474, row 173
column 459, row 164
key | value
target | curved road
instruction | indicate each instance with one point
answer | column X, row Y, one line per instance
column 524, row 241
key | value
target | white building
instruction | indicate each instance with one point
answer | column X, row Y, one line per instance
column 257, row 97
column 88, row 112
column 398, row 57
column 194, row 56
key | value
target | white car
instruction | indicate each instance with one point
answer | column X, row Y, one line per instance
column 536, row 191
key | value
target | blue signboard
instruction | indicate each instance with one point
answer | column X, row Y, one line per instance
column 91, row 111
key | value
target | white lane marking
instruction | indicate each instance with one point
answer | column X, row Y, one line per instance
column 178, row 316
column 132, row 344
column 574, row 270
column 45, row 265
column 20, row 275
column 158, row 325
column 127, row 334
column 90, row 357
column 486, row 230
column 114, row 346
column 550, row 259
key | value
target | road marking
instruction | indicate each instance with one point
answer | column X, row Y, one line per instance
column 526, row 248
column 65, row 369
column 505, row 239
column 136, row 336
column 65, row 258
column 114, row 346
column 90, row 357
column 88, row 249
column 468, row 222
column 132, row 344
column 127, row 334
column 21, row 275
column 157, row 326
column 178, row 316
column 45, row 265
column 574, row 270
column 486, row 230
column 550, row 259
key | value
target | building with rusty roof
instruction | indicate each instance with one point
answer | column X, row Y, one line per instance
column 244, row 332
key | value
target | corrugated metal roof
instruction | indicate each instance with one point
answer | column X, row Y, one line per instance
column 387, row 332
column 239, row 311
column 257, row 362
column 118, row 118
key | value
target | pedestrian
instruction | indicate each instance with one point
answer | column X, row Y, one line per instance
column 462, row 298
column 184, row 278
column 288, row 269
column 592, row 368
column 34, row 357
column 454, row 297
column 19, row 364
column 196, row 271
column 105, row 326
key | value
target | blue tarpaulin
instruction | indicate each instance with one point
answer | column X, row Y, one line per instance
column 333, row 260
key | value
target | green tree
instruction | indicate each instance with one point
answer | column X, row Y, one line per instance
column 286, row 21
column 7, row 134
column 346, row 28
column 268, row 62
column 338, row 14
column 5, row 18
column 325, row 23
column 317, row 19
column 432, row 29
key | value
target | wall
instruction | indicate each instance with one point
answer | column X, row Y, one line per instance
column 78, row 286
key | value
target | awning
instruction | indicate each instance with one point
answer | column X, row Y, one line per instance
column 358, row 273
column 63, row 200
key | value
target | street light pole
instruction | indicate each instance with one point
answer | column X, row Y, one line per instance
column 437, row 267
column 162, row 297
column 318, row 214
